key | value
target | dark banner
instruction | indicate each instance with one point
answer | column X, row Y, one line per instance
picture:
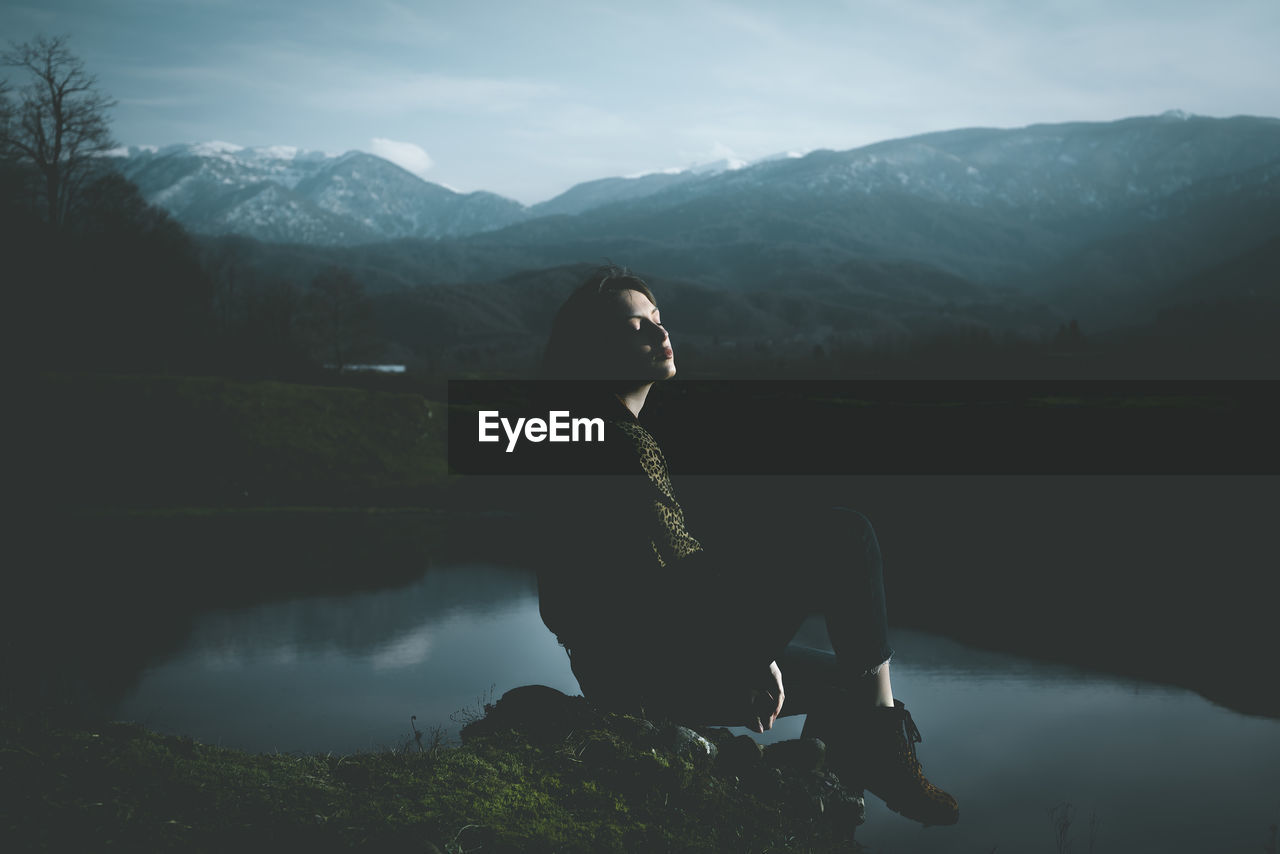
column 874, row 427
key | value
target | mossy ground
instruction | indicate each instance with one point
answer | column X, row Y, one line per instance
column 119, row 787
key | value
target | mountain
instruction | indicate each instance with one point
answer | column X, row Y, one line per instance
column 984, row 232
column 1044, row 172
column 993, row 205
column 593, row 194
column 283, row 194
column 391, row 202
column 1141, row 262
column 286, row 195
column 1001, row 206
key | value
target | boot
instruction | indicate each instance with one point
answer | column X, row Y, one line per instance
column 888, row 767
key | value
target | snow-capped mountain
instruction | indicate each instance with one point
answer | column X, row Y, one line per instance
column 289, row 195
column 391, row 202
column 925, row 195
column 1043, row 172
column 1020, row 208
column 980, row 194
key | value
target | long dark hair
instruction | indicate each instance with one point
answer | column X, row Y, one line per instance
column 574, row 347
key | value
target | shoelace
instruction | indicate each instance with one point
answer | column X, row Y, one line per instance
column 913, row 735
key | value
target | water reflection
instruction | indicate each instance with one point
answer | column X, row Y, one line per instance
column 1162, row 769
column 346, row 673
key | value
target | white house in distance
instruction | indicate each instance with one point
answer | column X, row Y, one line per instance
column 376, row 369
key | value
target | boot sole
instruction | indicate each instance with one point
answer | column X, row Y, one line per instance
column 894, row 808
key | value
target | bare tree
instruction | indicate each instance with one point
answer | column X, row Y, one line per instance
column 10, row 180
column 6, row 111
column 58, row 126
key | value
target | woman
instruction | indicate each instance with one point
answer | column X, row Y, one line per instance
column 655, row 622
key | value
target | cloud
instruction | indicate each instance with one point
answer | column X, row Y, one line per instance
column 165, row 102
column 406, row 155
column 395, row 94
column 722, row 152
column 405, row 651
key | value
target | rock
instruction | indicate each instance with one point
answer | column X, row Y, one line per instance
column 535, row 703
column 718, row 735
column 686, row 742
column 842, row 806
column 739, row 755
column 634, row 760
column 765, row 782
column 537, row 710
column 847, row 812
column 797, row 754
column 640, row 732
column 804, row 796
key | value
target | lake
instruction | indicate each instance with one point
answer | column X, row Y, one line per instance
column 1157, row 768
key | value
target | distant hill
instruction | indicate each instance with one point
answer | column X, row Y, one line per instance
column 969, row 232
column 281, row 194
column 593, row 194
column 998, row 206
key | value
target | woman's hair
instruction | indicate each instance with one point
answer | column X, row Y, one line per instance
column 574, row 348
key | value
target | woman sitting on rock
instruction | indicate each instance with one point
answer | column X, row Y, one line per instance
column 655, row 623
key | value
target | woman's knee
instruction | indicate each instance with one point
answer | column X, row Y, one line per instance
column 851, row 532
column 853, row 521
column 833, row 546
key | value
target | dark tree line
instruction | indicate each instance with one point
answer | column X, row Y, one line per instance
column 96, row 279
column 266, row 324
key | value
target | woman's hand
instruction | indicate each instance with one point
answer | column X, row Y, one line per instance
column 766, row 701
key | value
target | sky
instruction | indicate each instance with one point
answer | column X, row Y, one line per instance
column 529, row 98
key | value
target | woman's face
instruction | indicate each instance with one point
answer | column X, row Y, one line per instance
column 635, row 339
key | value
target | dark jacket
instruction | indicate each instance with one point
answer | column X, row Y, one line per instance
column 615, row 537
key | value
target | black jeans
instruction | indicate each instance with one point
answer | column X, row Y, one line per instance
column 735, row 607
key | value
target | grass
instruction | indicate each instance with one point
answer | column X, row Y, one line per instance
column 137, row 440
column 118, row 786
column 595, row 788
